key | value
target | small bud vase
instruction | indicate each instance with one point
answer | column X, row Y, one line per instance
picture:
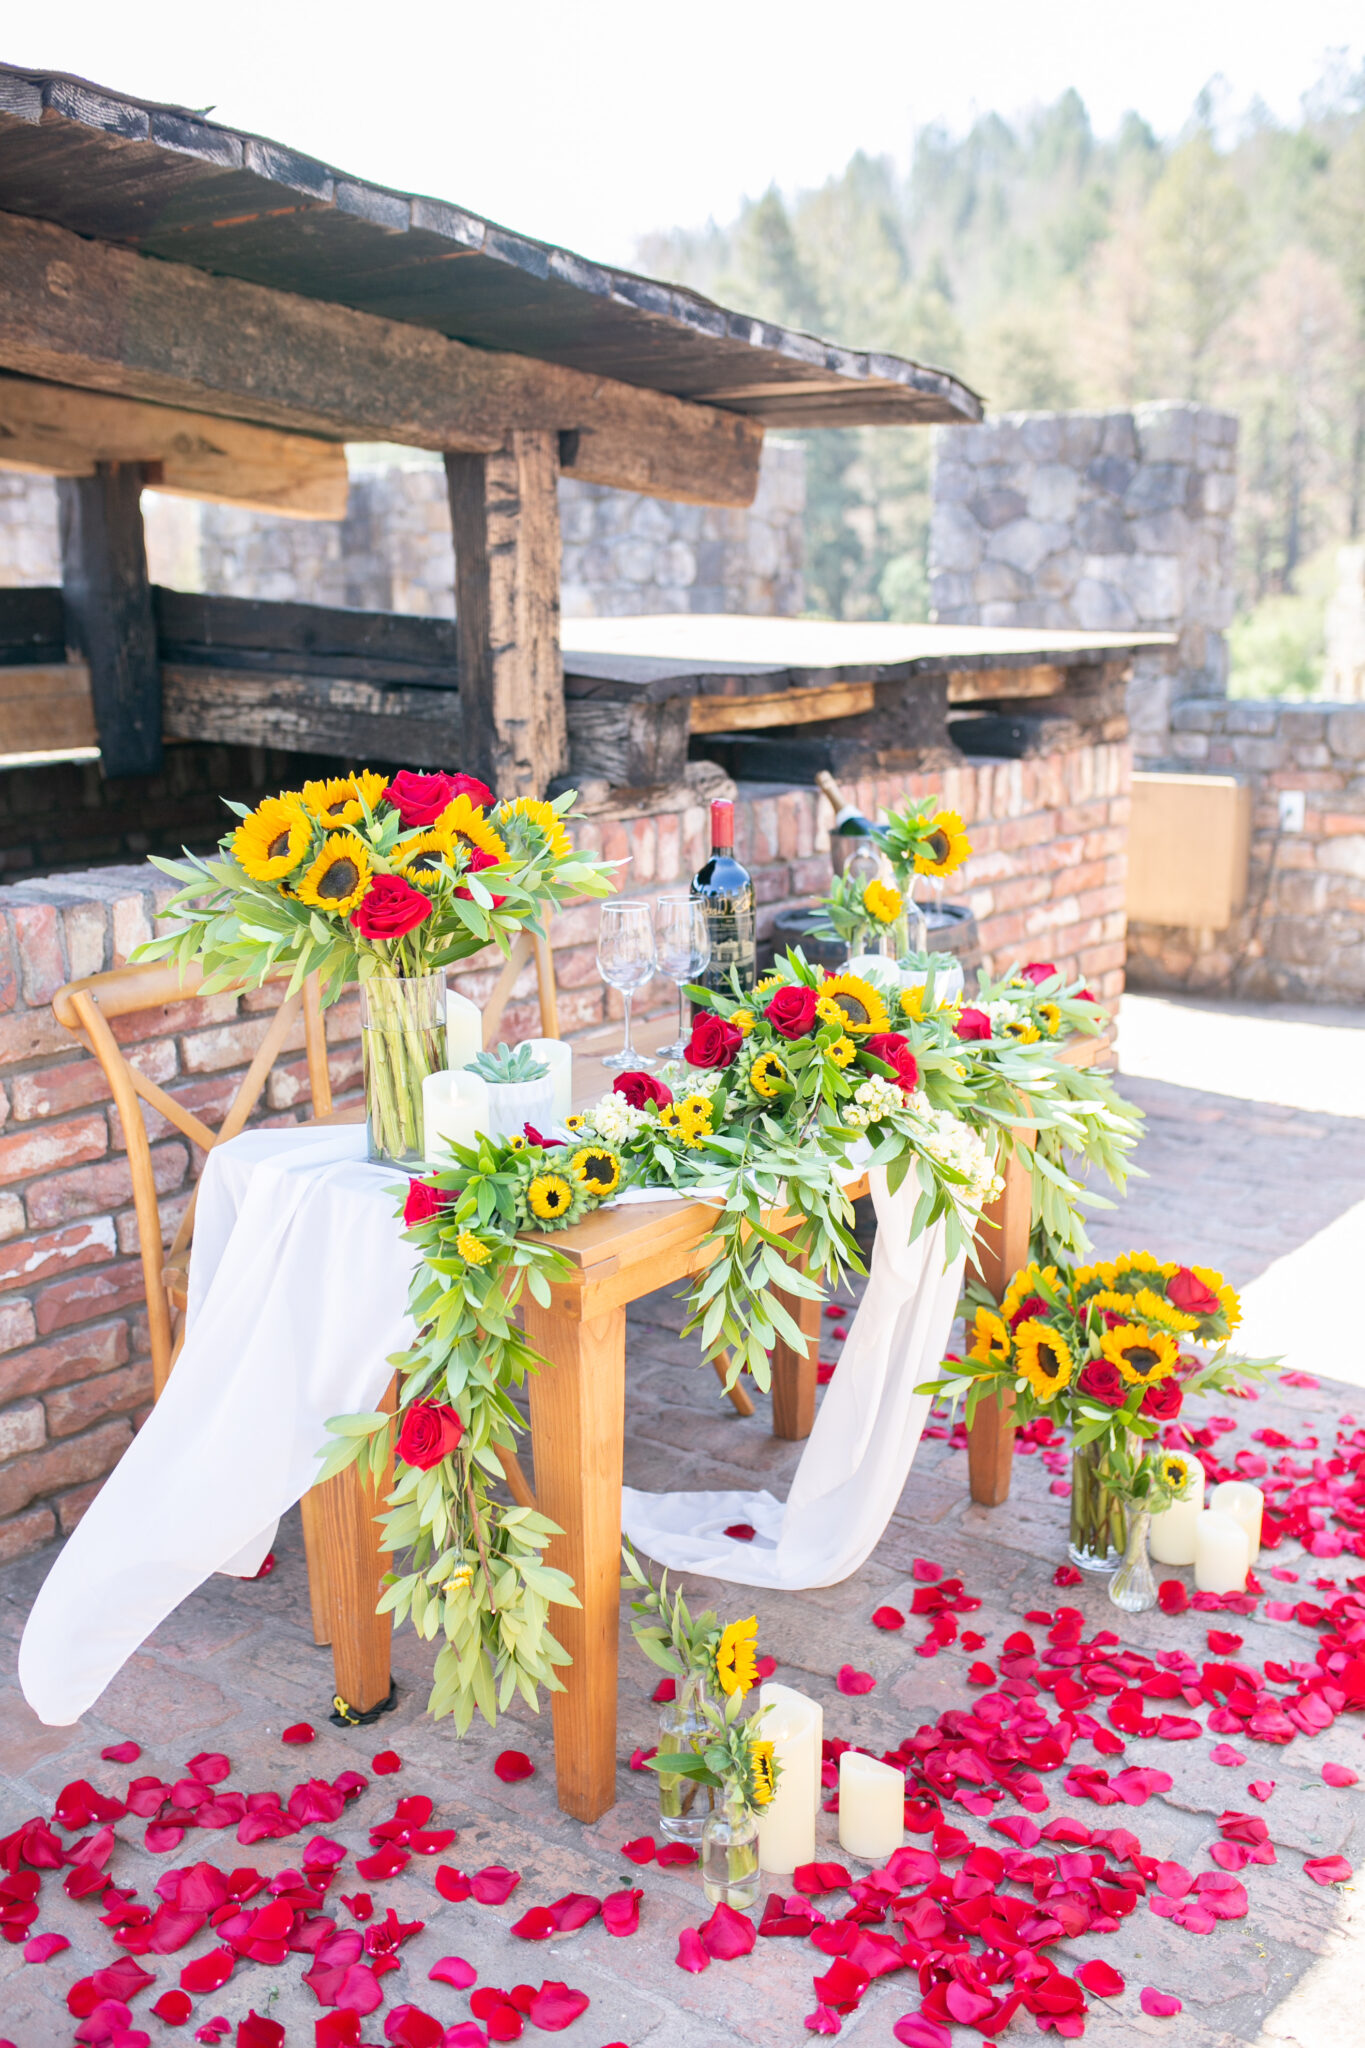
column 729, row 1855
column 1133, row 1587
column 684, row 1805
column 1097, row 1522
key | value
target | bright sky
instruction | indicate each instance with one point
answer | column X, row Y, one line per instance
column 591, row 123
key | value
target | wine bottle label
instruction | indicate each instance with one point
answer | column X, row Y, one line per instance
column 734, row 943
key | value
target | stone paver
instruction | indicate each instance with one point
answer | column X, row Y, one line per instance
column 1233, row 1182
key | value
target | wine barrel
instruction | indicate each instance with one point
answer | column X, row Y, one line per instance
column 952, row 929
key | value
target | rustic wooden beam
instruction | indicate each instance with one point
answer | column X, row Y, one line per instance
column 45, row 708
column 504, row 515
column 985, row 685
column 57, row 430
column 87, row 313
column 311, row 714
column 782, row 707
column 109, row 612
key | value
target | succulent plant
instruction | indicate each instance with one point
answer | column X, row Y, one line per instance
column 508, row 1064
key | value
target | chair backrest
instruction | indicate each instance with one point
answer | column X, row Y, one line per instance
column 85, row 1008
column 523, row 946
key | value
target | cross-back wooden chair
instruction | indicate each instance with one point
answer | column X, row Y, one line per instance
column 523, row 946
column 86, row 1008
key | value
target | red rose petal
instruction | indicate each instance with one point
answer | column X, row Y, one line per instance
column 42, row 1947
column 512, row 1766
column 743, row 1532
column 1261, row 1788
column 1067, row 1575
column 455, row 1971
column 1173, row 1596
column 555, row 2006
column 691, row 1954
column 621, row 1911
column 121, row 1753
column 1101, row 1978
column 1224, row 1753
column 764, row 1667
column 341, row 2029
column 536, row 1925
column 811, row 1878
column 853, row 1682
column 1159, row 2005
column 464, row 2034
column 300, row 1731
column 256, row 2031
column 917, row 2030
column 824, row 2020
column 728, row 1934
column 386, row 1862
column 407, row 2026
column 386, row 1763
column 980, row 1674
column 639, row 1758
column 664, row 1691
column 674, row 1854
column 213, row 2030
column 924, row 1573
column 209, row 1972
column 494, row 1884
column 641, row 1850
column 1327, row 1869
column 888, row 1617
column 173, row 2008
column 1339, row 1774
column 452, row 1884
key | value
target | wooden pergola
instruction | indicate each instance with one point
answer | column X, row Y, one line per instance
column 213, row 314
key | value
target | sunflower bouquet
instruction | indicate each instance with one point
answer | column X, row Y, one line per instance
column 920, row 839
column 384, row 880
column 1111, row 1352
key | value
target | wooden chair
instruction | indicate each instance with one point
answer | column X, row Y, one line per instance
column 86, row 1008
column 523, row 946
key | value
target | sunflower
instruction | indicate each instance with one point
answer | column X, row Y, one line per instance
column 421, row 860
column 1142, row 1355
column 767, row 1076
column 1043, row 1358
column 689, row 1120
column 1228, row 1296
column 273, row 840
column 516, row 1141
column 828, row 1011
column 1021, row 1030
column 1086, row 1276
column 1173, row 1472
column 337, row 801
column 543, row 819
column 549, row 1196
column 1028, row 1281
column 762, row 1775
column 462, row 823
column 743, row 1021
column 472, row 1249
column 912, row 1002
column 1050, row 1017
column 944, row 847
column 882, row 902
column 736, row 1661
column 1142, row 1262
column 576, row 1122
column 767, row 982
column 596, row 1169
column 1154, row 1308
column 842, row 1052
column 992, row 1338
column 339, row 877
column 863, row 1008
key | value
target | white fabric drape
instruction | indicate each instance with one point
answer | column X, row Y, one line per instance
column 298, row 1295
column 856, row 1459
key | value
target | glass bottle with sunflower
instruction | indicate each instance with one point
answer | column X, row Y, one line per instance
column 737, row 1762
column 684, row 1646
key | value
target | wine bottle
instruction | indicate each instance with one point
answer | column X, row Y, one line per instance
column 849, row 822
column 725, row 889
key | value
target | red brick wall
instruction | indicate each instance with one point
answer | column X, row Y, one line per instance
column 1046, row 880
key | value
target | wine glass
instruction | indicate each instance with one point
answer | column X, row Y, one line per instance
column 625, row 960
column 684, row 953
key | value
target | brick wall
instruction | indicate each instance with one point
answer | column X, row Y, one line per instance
column 1046, row 880
column 1301, row 936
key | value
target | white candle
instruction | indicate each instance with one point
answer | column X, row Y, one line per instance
column 786, row 1826
column 1245, row 1503
column 464, row 1029
column 558, row 1057
column 1171, row 1539
column 1222, row 1555
column 871, row 1806
column 454, row 1109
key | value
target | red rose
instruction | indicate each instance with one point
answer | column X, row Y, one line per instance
column 714, row 1042
column 1038, row 970
column 1084, row 995
column 1162, row 1402
column 430, row 1432
column 469, row 785
column 389, row 907
column 423, row 1201
column 1190, row 1295
column 642, row 1091
column 533, row 1137
column 479, row 859
column 420, row 799
column 1034, row 1306
column 792, row 1011
column 972, row 1024
column 895, row 1050
column 1102, row 1381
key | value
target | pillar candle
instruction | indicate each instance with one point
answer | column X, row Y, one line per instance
column 1245, row 1503
column 1222, row 1555
column 558, row 1057
column 786, row 1826
column 1171, row 1539
column 454, row 1107
column 871, row 1806
column 464, row 1029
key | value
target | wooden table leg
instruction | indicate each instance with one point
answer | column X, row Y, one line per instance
column 578, row 1441
column 990, row 1451
column 1002, row 1241
column 354, row 1564
column 794, row 1379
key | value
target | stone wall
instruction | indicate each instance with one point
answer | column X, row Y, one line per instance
column 1301, row 936
column 622, row 553
column 1046, row 880
column 1100, row 522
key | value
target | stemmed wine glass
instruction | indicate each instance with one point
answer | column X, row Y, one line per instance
column 625, row 960
column 684, row 953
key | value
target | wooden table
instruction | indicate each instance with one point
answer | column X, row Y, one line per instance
column 578, row 1442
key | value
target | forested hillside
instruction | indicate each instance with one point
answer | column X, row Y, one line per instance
column 1052, row 267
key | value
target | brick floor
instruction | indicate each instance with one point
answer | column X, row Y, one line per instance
column 1232, row 1182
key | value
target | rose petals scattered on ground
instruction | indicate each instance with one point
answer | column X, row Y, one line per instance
column 301, row 1731
column 1173, row 1596
column 621, row 1911
column 641, row 1850
column 1160, row 2005
column 853, row 1682
column 121, row 1753
column 764, row 1667
column 727, row 1934
column 452, row 1884
column 512, row 1766
column 1068, row 1575
column 691, row 1954
column 1224, row 1753
column 1327, row 1869
column 43, row 1946
column 924, row 1571
column 493, row 1885
column 1261, row 1788
column 888, row 1617
column 1339, row 1774
column 555, row 2007
column 673, row 1855
column 455, row 1971
column 386, row 1763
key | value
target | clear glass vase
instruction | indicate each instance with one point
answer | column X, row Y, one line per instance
column 402, row 1040
column 729, row 1856
column 911, row 928
column 1097, row 1518
column 684, row 1805
column 1133, row 1588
